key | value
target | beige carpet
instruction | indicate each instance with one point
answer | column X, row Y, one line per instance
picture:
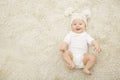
column 31, row 32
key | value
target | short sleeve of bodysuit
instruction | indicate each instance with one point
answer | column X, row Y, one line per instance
column 67, row 38
column 89, row 38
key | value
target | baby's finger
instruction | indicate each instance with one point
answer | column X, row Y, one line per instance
column 99, row 50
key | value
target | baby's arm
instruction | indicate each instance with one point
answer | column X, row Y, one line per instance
column 67, row 55
column 64, row 47
column 96, row 46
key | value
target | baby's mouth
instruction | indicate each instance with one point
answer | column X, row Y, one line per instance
column 78, row 29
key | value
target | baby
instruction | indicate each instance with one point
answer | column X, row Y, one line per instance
column 75, row 45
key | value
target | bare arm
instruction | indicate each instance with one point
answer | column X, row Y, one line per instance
column 64, row 47
column 96, row 46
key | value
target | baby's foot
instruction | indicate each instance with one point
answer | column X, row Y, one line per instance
column 86, row 71
column 72, row 66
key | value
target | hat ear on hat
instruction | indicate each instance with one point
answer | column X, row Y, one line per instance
column 70, row 11
column 86, row 13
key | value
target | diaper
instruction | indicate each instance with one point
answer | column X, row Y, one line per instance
column 78, row 57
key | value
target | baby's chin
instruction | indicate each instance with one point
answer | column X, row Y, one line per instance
column 79, row 31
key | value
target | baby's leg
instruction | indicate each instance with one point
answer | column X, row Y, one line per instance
column 89, row 60
column 67, row 55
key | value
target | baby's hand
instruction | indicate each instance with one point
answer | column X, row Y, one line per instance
column 97, row 48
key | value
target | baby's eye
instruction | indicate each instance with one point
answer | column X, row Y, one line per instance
column 75, row 24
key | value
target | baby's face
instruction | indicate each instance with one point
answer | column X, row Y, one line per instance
column 78, row 26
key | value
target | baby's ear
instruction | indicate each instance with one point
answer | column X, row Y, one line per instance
column 69, row 11
column 86, row 13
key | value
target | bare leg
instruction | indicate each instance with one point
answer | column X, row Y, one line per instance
column 89, row 61
column 68, row 59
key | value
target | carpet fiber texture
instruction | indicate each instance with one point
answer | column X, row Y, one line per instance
column 31, row 32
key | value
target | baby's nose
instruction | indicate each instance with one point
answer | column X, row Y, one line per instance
column 78, row 25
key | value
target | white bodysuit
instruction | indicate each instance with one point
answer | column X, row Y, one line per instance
column 78, row 45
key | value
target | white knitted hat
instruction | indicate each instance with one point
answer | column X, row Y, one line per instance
column 84, row 15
